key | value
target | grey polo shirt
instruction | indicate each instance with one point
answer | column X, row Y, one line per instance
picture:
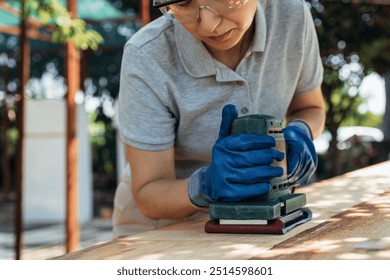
column 172, row 90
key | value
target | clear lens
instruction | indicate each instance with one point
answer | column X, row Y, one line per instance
column 181, row 13
column 228, row 6
column 188, row 11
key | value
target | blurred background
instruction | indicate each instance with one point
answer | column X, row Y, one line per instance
column 354, row 37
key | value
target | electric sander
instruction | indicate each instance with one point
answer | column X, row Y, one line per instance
column 275, row 212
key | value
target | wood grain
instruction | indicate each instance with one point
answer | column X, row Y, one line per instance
column 362, row 232
column 351, row 220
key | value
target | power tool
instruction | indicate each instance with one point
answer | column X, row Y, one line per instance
column 275, row 212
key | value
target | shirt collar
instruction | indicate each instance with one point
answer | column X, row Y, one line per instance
column 197, row 60
column 260, row 36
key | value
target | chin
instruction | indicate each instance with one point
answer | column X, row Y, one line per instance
column 221, row 46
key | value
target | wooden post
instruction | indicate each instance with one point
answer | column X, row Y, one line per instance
column 24, row 77
column 145, row 12
column 386, row 115
column 73, row 80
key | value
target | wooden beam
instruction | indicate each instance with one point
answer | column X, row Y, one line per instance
column 145, row 12
column 32, row 21
column 36, row 35
column 9, row 9
column 73, row 82
column 31, row 33
column 13, row 30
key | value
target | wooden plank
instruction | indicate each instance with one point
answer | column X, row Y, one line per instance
column 187, row 239
column 361, row 232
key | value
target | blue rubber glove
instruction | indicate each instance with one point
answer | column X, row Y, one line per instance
column 301, row 154
column 240, row 167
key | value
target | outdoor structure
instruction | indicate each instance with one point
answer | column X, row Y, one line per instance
column 44, row 165
column 27, row 40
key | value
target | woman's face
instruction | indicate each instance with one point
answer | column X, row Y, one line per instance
column 221, row 32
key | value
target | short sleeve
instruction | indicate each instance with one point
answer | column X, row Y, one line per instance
column 144, row 118
column 312, row 72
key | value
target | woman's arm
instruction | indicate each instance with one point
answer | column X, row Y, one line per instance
column 310, row 108
column 156, row 191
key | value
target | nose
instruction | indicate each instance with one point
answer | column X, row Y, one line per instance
column 208, row 19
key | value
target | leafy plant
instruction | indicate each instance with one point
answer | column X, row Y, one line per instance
column 67, row 29
column 354, row 39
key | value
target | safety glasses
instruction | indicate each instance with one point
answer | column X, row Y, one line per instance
column 186, row 11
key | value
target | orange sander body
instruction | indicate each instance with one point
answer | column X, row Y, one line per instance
column 275, row 212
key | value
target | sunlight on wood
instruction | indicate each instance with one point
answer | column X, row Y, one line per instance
column 372, row 245
column 353, row 256
column 236, row 250
column 152, row 257
column 355, row 239
column 350, row 221
column 359, row 215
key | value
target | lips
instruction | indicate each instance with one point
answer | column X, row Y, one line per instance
column 222, row 37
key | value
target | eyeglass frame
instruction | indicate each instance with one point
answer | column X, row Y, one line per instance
column 171, row 2
column 166, row 3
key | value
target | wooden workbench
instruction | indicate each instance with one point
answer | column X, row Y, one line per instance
column 351, row 220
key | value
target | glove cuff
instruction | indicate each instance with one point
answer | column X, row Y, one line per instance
column 195, row 193
column 302, row 124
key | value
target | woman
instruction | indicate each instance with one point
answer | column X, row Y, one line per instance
column 179, row 73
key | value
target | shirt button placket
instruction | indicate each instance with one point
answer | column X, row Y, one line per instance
column 244, row 110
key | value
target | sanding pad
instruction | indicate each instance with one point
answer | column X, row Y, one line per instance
column 279, row 225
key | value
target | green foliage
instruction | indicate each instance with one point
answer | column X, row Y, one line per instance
column 350, row 34
column 366, row 119
column 354, row 39
column 346, row 30
column 331, row 77
column 376, row 55
column 103, row 140
column 66, row 28
column 350, row 105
